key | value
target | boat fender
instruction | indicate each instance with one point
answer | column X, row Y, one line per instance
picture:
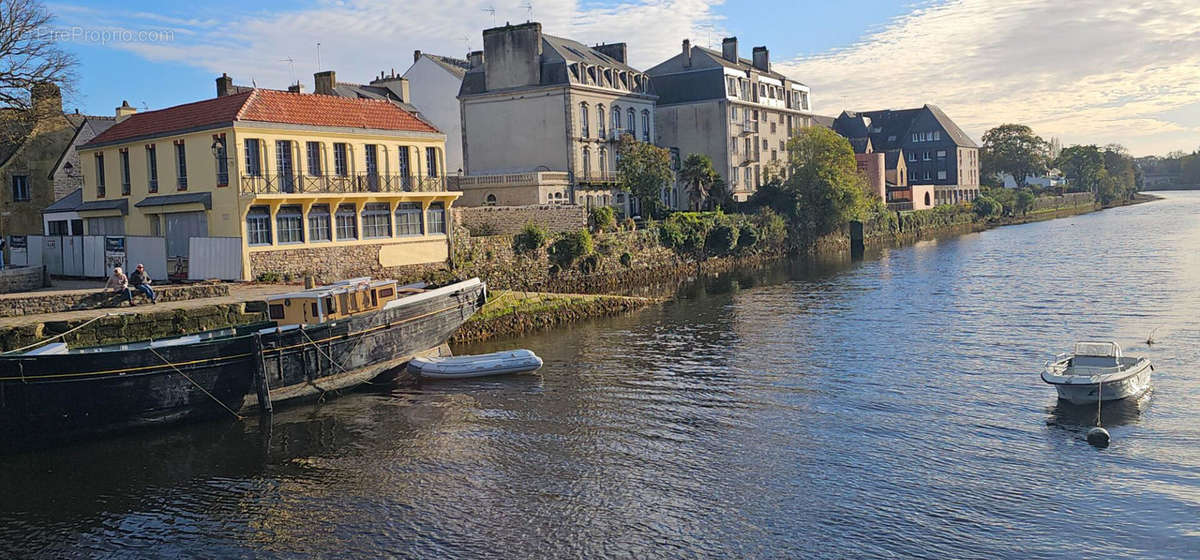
column 1098, row 437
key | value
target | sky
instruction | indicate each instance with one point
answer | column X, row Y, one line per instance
column 1084, row 71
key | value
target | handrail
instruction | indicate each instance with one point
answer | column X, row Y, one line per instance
column 362, row 182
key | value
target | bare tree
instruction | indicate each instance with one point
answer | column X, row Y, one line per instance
column 32, row 64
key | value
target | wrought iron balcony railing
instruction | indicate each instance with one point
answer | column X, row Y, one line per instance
column 360, row 183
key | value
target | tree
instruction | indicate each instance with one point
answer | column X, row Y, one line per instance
column 1023, row 202
column 986, row 206
column 1013, row 149
column 701, row 179
column 1081, row 165
column 30, row 57
column 824, row 189
column 644, row 170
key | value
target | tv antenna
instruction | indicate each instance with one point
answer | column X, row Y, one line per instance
column 467, row 41
column 491, row 10
column 291, row 63
column 318, row 56
column 528, row 11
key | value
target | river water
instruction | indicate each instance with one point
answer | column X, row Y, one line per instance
column 882, row 408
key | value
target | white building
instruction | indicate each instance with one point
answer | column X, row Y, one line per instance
column 433, row 83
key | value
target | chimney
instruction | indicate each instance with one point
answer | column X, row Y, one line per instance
column 762, row 59
column 45, row 98
column 687, row 53
column 397, row 85
column 512, row 56
column 416, row 56
column 475, row 58
column 125, row 111
column 296, row 88
column 615, row 51
column 729, row 49
column 224, row 85
column 323, row 82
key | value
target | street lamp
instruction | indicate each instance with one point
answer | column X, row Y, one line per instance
column 220, row 155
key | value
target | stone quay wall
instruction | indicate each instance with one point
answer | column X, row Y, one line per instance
column 508, row 220
column 331, row 264
column 22, row 279
column 55, row 302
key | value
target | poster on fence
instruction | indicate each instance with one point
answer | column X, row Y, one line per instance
column 114, row 252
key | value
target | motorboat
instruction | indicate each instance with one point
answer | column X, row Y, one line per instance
column 1097, row 371
column 481, row 365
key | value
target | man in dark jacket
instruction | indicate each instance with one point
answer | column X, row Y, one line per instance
column 140, row 281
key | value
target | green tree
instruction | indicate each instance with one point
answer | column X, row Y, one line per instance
column 529, row 239
column 1082, row 166
column 644, row 170
column 986, row 206
column 1023, row 202
column 1012, row 149
column 602, row 218
column 700, row 178
column 824, row 189
column 570, row 247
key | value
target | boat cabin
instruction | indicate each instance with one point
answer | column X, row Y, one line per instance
column 333, row 302
column 1096, row 355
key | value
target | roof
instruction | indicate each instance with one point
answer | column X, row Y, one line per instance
column 67, row 203
column 890, row 128
column 82, row 123
column 741, row 64
column 204, row 198
column 822, row 120
column 574, row 51
column 553, row 70
column 121, row 204
column 265, row 105
column 455, row 66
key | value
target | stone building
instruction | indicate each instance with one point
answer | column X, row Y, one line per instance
column 534, row 103
column 31, row 152
column 934, row 150
column 739, row 112
column 281, row 182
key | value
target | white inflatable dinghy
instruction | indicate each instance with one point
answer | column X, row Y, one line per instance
column 462, row 367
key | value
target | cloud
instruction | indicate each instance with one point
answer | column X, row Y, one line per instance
column 1086, row 71
column 361, row 37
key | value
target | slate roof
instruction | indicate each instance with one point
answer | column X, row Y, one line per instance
column 896, row 126
column 265, row 105
column 67, row 203
column 574, row 51
column 204, row 198
column 822, row 120
column 455, row 66
column 742, row 64
column 553, row 71
column 121, row 204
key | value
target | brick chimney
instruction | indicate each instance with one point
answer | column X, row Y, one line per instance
column 224, row 85
column 323, row 82
column 394, row 83
column 687, row 53
column 475, row 59
column 125, row 111
column 762, row 59
column 512, row 56
column 729, row 49
column 296, row 88
column 615, row 51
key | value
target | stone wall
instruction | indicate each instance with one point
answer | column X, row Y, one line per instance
column 1069, row 200
column 74, row 300
column 21, row 279
column 331, row 264
column 508, row 220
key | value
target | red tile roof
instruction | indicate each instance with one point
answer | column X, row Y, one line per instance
column 265, row 105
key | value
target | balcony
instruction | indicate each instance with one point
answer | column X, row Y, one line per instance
column 466, row 182
column 361, row 183
column 605, row 178
column 748, row 127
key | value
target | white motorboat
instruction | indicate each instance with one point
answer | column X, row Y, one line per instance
column 1096, row 371
column 462, row 367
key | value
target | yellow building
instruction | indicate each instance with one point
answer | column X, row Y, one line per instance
column 301, row 183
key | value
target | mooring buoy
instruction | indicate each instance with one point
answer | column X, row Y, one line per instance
column 1098, row 437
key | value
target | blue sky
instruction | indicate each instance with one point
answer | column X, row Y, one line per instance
column 1054, row 66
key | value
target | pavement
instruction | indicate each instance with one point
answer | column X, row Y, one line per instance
column 238, row 293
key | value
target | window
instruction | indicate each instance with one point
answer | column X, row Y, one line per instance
column 404, row 161
column 222, row 160
column 20, row 188
column 437, row 217
column 99, row 175
column 916, row 137
column 376, row 220
column 941, row 175
column 587, row 163
column 180, row 166
column 275, row 311
column 735, row 144
column 731, row 86
column 258, row 226
column 76, row 227
column 114, row 225
column 489, row 201
column 925, row 156
column 312, row 151
column 584, row 118
column 151, row 168
column 431, row 162
column 408, row 217
column 600, row 120
column 941, row 154
column 371, row 155
column 340, row 166
column 604, row 162
column 347, row 224
column 912, row 156
column 937, row 135
column 632, row 122
column 733, row 112
column 289, row 224
column 319, row 223
column 926, row 176
column 253, row 158
column 774, row 155
column 124, row 154
column 57, row 227
column 284, row 167
column 616, row 113
column 645, row 125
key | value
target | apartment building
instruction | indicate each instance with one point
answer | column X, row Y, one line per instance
column 300, row 183
column 542, row 116
column 434, row 81
column 739, row 112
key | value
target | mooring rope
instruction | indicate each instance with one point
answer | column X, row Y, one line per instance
column 185, row 376
column 60, row 335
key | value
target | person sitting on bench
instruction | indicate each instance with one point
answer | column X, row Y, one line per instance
column 140, row 281
column 119, row 283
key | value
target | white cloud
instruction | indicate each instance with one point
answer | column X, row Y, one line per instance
column 1087, row 71
column 361, row 37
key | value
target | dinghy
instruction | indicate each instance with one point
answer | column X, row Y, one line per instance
column 1096, row 371
column 462, row 367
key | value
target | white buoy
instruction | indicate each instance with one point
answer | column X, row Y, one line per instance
column 1098, row 437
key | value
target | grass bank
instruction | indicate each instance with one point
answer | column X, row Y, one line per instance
column 512, row 313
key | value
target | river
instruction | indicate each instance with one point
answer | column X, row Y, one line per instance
column 887, row 407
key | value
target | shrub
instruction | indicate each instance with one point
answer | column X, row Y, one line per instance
column 268, row 277
column 602, row 218
column 589, row 264
column 629, row 224
column 669, row 235
column 626, row 260
column 530, row 239
column 986, row 207
column 747, row 236
column 570, row 247
column 722, row 239
column 772, row 229
column 484, row 230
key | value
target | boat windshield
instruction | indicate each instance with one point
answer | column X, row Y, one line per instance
column 1098, row 349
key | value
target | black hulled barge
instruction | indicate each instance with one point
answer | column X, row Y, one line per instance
column 324, row 339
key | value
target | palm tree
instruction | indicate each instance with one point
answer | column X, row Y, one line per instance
column 700, row 177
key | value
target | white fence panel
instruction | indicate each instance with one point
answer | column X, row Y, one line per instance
column 18, row 250
column 93, row 257
column 71, row 258
column 150, row 251
column 215, row 257
column 33, row 253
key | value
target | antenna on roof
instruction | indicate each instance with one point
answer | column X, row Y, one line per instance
column 467, row 41
column 144, row 107
column 491, row 10
column 528, row 11
column 318, row 56
column 292, row 62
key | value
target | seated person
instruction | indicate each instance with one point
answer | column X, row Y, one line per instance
column 140, row 281
column 119, row 283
